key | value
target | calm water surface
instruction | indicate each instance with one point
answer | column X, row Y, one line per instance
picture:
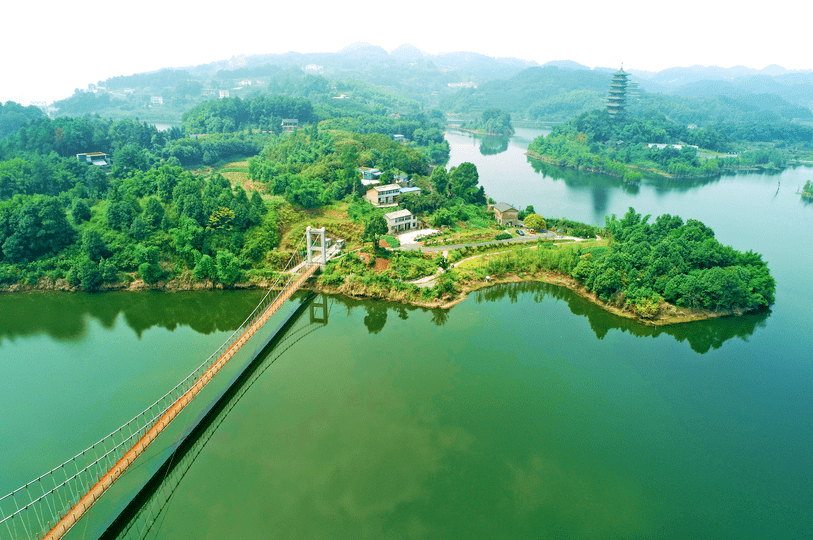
column 523, row 412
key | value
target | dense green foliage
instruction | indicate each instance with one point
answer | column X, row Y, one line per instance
column 132, row 145
column 148, row 218
column 159, row 224
column 595, row 141
column 234, row 114
column 422, row 131
column 679, row 262
column 311, row 169
column 755, row 117
column 621, row 147
column 14, row 116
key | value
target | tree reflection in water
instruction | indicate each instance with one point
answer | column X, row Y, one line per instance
column 65, row 316
column 702, row 336
column 491, row 145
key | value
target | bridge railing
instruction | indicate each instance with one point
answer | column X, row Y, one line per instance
column 31, row 510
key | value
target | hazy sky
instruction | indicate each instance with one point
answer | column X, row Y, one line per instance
column 51, row 48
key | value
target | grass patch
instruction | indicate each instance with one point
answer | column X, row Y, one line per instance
column 499, row 249
column 392, row 241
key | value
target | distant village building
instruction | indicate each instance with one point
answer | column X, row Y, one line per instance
column 402, row 180
column 157, row 100
column 224, row 94
column 369, row 174
column 400, row 220
column 98, row 159
column 289, row 125
column 462, row 85
column 384, row 195
column 399, row 138
column 405, row 190
column 505, row 214
column 617, row 99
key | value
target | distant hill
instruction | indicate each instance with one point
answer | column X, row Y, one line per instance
column 165, row 94
column 462, row 82
column 540, row 92
column 795, row 87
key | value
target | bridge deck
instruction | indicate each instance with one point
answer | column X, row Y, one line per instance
column 75, row 513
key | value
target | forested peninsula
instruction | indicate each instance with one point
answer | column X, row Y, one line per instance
column 629, row 146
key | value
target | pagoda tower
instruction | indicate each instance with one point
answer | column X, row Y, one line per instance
column 617, row 100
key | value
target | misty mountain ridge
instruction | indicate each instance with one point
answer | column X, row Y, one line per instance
column 463, row 82
column 481, row 68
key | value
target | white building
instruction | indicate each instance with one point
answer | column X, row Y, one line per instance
column 384, row 195
column 400, row 220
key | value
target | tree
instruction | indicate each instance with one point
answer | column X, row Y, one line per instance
column 443, row 218
column 228, row 267
column 440, row 180
column 528, row 210
column 535, row 221
column 463, row 181
column 129, row 159
column 40, row 228
column 375, row 226
column 89, row 275
column 80, row 211
column 139, row 229
column 150, row 272
column 94, row 245
column 120, row 215
column 205, row 269
column 153, row 212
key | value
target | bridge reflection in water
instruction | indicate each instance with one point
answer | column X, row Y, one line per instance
column 141, row 518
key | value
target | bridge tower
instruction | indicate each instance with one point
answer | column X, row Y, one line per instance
column 316, row 234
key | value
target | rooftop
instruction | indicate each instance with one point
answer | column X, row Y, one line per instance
column 397, row 214
column 504, row 207
column 387, row 187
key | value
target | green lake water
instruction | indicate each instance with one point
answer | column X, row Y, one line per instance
column 523, row 412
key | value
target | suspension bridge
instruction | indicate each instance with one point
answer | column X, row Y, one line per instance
column 50, row 505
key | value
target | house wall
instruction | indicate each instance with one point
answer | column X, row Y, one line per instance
column 507, row 219
column 402, row 224
column 378, row 198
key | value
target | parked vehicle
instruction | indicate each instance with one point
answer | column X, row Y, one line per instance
column 520, row 232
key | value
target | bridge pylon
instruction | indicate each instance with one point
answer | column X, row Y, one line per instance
column 318, row 234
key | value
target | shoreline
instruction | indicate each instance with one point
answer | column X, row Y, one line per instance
column 669, row 314
column 660, row 174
